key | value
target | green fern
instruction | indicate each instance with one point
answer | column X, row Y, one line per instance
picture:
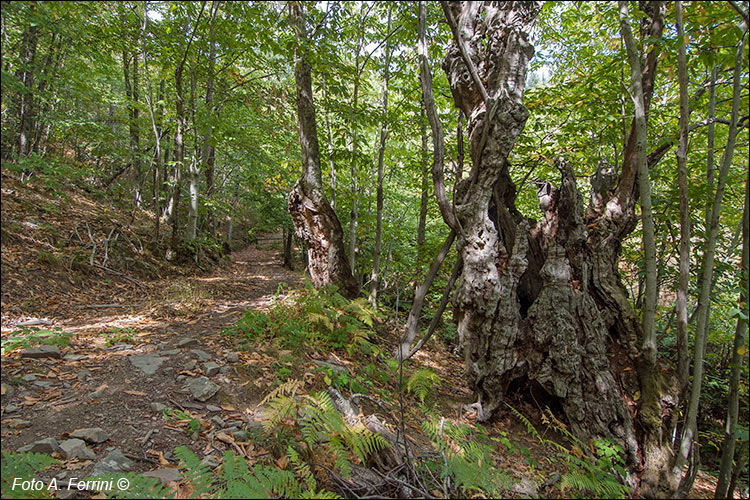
column 137, row 486
column 467, row 456
column 422, row 383
column 23, row 466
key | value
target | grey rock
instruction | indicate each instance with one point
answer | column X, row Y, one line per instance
column 65, row 493
column 46, row 445
column 114, row 462
column 241, row 435
column 164, row 475
column 233, row 357
column 211, row 368
column 43, row 351
column 97, row 394
column 83, row 374
column 74, row 357
column 187, row 342
column 201, row 388
column 526, row 488
column 170, row 352
column 91, row 434
column 11, row 409
column 208, row 408
column 147, row 363
column 76, row 448
column 17, row 423
column 218, row 421
column 158, row 407
column 180, row 378
column 190, row 364
column 28, row 378
column 43, row 384
column 201, row 355
column 210, row 461
column 226, row 370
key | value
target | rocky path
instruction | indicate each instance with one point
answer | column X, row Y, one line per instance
column 121, row 395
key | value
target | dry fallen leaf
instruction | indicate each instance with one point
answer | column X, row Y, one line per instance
column 224, row 438
column 135, row 393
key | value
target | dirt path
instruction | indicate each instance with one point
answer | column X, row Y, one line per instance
column 132, row 356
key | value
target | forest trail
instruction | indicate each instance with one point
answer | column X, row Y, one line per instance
column 158, row 346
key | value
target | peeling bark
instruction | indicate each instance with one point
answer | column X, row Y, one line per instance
column 542, row 300
column 314, row 220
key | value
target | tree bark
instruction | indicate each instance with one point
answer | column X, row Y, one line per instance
column 131, row 92
column 542, row 300
column 25, row 74
column 683, row 361
column 421, row 225
column 730, row 438
column 375, row 276
column 690, row 429
column 314, row 220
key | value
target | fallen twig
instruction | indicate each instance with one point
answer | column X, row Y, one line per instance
column 118, row 273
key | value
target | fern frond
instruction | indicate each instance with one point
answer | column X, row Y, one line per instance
column 288, row 388
column 23, row 466
column 422, row 382
column 529, row 426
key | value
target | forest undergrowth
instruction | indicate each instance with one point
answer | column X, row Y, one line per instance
column 321, row 406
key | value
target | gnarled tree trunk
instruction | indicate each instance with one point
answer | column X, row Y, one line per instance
column 314, row 220
column 542, row 301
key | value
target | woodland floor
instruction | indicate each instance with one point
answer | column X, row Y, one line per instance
column 95, row 382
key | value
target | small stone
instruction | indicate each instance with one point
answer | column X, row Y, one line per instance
column 65, row 493
column 76, row 448
column 43, row 384
column 210, row 461
column 74, row 357
column 187, row 342
column 190, row 364
column 211, row 368
column 208, row 408
column 83, row 374
column 11, row 409
column 241, row 435
column 226, row 370
column 97, row 394
column 114, row 462
column 218, row 421
column 43, row 351
column 46, row 445
column 180, row 378
column 91, row 434
column 201, row 355
column 8, row 390
column 526, row 488
column 201, row 388
column 28, row 378
column 158, row 407
column 147, row 363
column 164, row 475
column 233, row 357
column 170, row 352
column 17, row 423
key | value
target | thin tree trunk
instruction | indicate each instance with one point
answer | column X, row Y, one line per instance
column 421, row 226
column 375, row 277
column 208, row 150
column 412, row 322
column 194, row 168
column 331, row 162
column 353, row 215
column 47, row 74
column 179, row 139
column 314, row 220
column 131, row 92
column 683, row 361
column 25, row 74
column 690, row 429
column 156, row 124
column 730, row 438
